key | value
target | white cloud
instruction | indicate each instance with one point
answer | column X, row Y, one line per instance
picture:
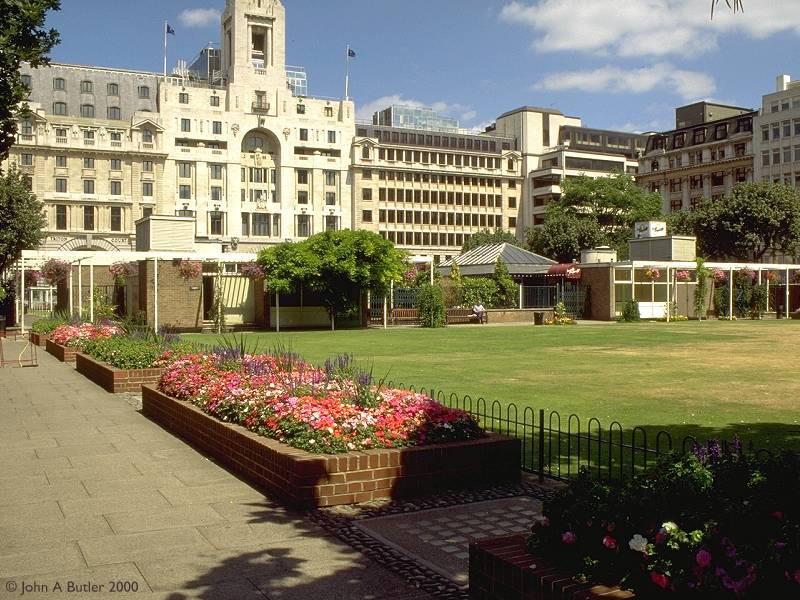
column 664, row 77
column 645, row 27
column 199, row 17
column 461, row 112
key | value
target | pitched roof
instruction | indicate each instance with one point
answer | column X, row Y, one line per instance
column 481, row 260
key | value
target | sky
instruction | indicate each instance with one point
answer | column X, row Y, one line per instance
column 616, row 64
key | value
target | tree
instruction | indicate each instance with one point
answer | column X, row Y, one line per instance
column 755, row 218
column 487, row 236
column 21, row 218
column 506, row 295
column 564, row 234
column 22, row 39
column 680, row 222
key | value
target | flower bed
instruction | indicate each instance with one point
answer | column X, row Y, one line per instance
column 38, row 338
column 76, row 336
column 115, row 380
column 710, row 525
column 62, row 353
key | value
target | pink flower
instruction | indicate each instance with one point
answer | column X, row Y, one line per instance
column 703, row 558
column 796, row 576
column 659, row 579
column 568, row 538
column 609, row 542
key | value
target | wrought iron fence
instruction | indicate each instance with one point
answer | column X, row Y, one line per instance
column 539, row 296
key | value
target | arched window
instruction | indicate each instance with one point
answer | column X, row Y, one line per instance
column 59, row 84
column 59, row 108
column 654, row 165
column 144, row 91
column 113, row 89
column 86, row 87
column 114, row 113
column 365, row 152
column 87, row 111
column 26, row 81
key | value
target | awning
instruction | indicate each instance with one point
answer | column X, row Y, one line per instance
column 567, row 270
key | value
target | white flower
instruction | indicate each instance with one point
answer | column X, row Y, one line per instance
column 638, row 543
column 669, row 527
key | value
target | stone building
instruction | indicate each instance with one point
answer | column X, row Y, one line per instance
column 776, row 140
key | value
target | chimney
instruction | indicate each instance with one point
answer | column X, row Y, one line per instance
column 782, row 83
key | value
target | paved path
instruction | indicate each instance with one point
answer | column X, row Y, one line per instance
column 92, row 493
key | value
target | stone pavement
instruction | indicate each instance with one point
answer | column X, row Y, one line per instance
column 92, row 493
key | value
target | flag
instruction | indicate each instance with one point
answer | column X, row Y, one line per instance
column 351, row 53
column 170, row 30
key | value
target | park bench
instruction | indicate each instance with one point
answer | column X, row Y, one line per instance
column 461, row 315
column 405, row 315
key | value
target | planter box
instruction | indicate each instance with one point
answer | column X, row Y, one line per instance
column 62, row 353
column 501, row 569
column 307, row 480
column 115, row 380
column 38, row 338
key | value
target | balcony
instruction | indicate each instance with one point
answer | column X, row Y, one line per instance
column 259, row 106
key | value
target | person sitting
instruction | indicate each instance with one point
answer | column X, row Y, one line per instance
column 479, row 311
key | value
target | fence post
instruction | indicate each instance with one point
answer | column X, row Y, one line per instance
column 520, row 296
column 541, row 445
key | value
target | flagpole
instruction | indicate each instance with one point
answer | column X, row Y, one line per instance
column 165, row 49
column 347, row 74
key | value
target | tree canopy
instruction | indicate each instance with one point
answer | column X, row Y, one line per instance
column 336, row 265
column 21, row 218
column 487, row 236
column 22, row 39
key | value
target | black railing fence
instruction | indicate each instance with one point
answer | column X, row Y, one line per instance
column 559, row 447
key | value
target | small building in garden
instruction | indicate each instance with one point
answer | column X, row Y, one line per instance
column 522, row 264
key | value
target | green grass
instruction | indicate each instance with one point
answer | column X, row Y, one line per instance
column 709, row 379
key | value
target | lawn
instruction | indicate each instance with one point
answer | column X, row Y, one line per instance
column 709, row 379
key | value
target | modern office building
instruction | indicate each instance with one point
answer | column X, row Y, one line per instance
column 427, row 190
column 414, row 117
column 709, row 151
column 776, row 139
column 231, row 141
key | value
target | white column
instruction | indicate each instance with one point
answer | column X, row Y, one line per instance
column 520, row 296
column 277, row 312
column 91, row 293
column 730, row 292
column 22, row 295
column 669, row 308
column 385, row 311
column 787, row 293
column 80, row 289
column 155, row 294
column 70, row 291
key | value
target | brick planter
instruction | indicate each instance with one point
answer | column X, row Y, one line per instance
column 38, row 338
column 62, row 353
column 112, row 379
column 501, row 569
column 307, row 480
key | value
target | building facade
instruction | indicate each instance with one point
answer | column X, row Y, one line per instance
column 700, row 158
column 428, row 190
column 776, row 139
column 233, row 143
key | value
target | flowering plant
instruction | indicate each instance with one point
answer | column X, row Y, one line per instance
column 652, row 273
column 683, row 275
column 79, row 335
column 709, row 524
column 771, row 276
column 55, row 270
column 190, row 269
column 747, row 274
column 252, row 270
column 330, row 410
column 719, row 275
column 122, row 270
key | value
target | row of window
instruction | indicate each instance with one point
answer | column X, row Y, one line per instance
column 425, row 177
column 89, row 214
column 440, row 158
column 433, row 140
column 438, row 197
column 785, row 155
column 183, row 98
column 114, row 187
column 427, row 238
column 216, row 126
column 702, row 134
column 780, row 130
column 423, row 217
column 784, row 104
column 696, row 157
column 114, row 164
column 261, row 225
column 87, row 87
column 185, row 193
column 185, row 170
column 26, row 129
column 303, row 135
column 696, row 182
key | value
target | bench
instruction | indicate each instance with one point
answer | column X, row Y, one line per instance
column 461, row 315
column 405, row 315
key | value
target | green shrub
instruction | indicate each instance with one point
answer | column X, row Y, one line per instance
column 758, row 301
column 630, row 312
column 430, row 304
column 507, row 294
column 478, row 290
column 125, row 352
column 47, row 325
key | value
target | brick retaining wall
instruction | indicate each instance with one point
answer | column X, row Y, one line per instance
column 115, row 380
column 62, row 353
column 307, row 480
column 502, row 569
column 38, row 338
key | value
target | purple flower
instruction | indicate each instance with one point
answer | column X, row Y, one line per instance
column 568, row 538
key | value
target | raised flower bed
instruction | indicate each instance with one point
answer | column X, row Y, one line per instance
column 67, row 340
column 38, row 338
column 265, row 417
column 115, row 380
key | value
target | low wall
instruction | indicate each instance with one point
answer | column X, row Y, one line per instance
column 502, row 569
column 516, row 315
column 38, row 338
column 112, row 379
column 307, row 480
column 62, row 353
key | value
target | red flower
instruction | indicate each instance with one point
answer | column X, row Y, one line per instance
column 568, row 537
column 609, row 542
column 659, row 579
column 797, row 576
column 703, row 558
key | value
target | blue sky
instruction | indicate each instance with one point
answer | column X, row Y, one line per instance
column 617, row 64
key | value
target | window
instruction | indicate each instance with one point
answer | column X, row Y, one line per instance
column 147, row 166
column 88, row 186
column 512, row 222
column 26, row 160
column 114, row 113
column 302, row 197
column 116, row 188
column 61, row 217
column 678, row 140
column 330, row 177
column 331, row 223
column 512, row 203
column 26, row 127
column 59, row 108
column 245, row 224
column 88, row 137
column 86, row 87
column 216, row 193
column 184, row 170
column 147, row 136
column 304, row 135
column 185, row 192
column 61, row 161
column 87, row 111
column 776, row 131
column 215, row 218
column 365, row 152
column 116, row 164
column 88, row 163
column 144, row 91
column 88, row 218
column 216, row 171
column 366, row 194
column 261, row 224
column 58, row 83
column 330, row 198
column 147, row 189
column 112, row 89
column 328, row 111
column 787, row 129
column 214, row 100
column 302, row 176
column 183, row 98
column 116, row 218
column 765, row 158
column 303, row 226
column 787, row 155
column 331, row 137
column 301, row 109
column 699, row 136
column 717, row 178
column 216, row 127
column 61, row 186
column 186, row 125
column 366, row 216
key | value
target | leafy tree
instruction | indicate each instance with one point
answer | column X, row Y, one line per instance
column 680, row 222
column 564, row 234
column 755, row 218
column 22, row 39
column 487, row 236
column 479, row 290
column 430, row 305
column 21, row 218
column 507, row 293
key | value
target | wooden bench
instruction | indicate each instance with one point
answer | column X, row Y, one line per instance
column 461, row 315
column 405, row 315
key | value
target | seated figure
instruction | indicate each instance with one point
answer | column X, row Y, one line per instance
column 479, row 311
